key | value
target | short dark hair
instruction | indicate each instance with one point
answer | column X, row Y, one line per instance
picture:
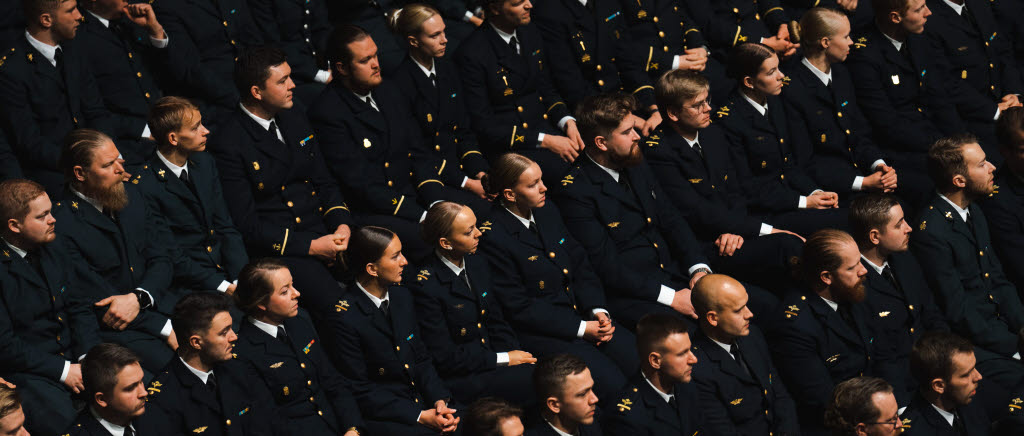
column 820, row 253
column 599, row 115
column 882, row 8
column 486, row 414
column 34, row 8
column 253, row 68
column 1008, row 125
column 932, row 356
column 78, row 150
column 15, row 195
column 852, row 404
column 653, row 329
column 341, row 37
column 550, row 373
column 101, row 366
column 366, row 246
column 195, row 312
column 868, row 212
column 946, row 159
column 255, row 285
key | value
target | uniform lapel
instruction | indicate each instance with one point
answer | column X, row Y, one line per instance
column 21, row 268
column 660, row 409
column 197, row 390
column 608, row 185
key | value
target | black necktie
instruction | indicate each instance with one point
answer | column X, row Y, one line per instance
column 128, row 431
column 109, row 214
column 33, row 261
column 624, row 181
column 698, row 149
column 970, row 224
column 847, row 315
column 188, row 181
column 514, row 44
column 58, row 58
column 465, row 278
column 273, row 130
column 385, row 309
column 958, row 425
column 734, row 349
column 672, row 402
column 887, row 273
column 372, row 103
column 282, row 335
column 966, row 13
column 433, row 79
column 211, row 382
column 533, row 228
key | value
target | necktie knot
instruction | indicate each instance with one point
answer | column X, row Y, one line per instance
column 513, row 43
column 385, row 309
column 274, row 131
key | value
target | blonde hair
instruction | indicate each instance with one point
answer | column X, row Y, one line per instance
column 817, row 24
column 504, row 173
column 409, row 20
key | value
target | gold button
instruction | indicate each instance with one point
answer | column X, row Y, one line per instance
column 417, row 400
column 228, row 422
column 479, row 326
column 209, row 249
column 545, row 116
column 981, row 253
column 225, row 24
column 600, row 83
column 565, row 271
column 290, row 204
column 314, row 192
column 147, row 95
column 655, row 245
column 839, row 114
column 398, row 348
column 551, row 254
column 520, row 108
column 655, row 19
column 390, row 183
column 298, row 220
column 661, row 34
column 311, row 400
column 648, row 220
column 991, row 66
column 598, row 67
column 233, row 43
column 782, row 177
column 482, row 341
column 302, row 365
column 911, row 330
column 735, row 10
column 911, row 307
column 483, row 312
column 847, row 131
column 437, row 147
column 387, row 164
column 320, row 412
column 525, row 126
column 661, row 265
column 406, row 366
column 309, row 382
column 665, row 48
column 986, row 275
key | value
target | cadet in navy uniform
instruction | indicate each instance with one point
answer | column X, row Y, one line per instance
column 124, row 47
column 362, row 123
column 122, row 247
column 203, row 389
column 41, row 99
column 279, row 340
column 490, row 416
column 900, row 84
column 433, row 92
column 764, row 153
column 863, row 406
column 944, row 364
column 859, row 12
column 511, row 99
column 542, row 277
column 739, row 386
column 41, row 339
column 277, row 188
column 899, row 302
column 208, row 39
column 966, row 34
column 820, row 336
column 1004, row 209
column 115, row 396
column 379, row 346
column 640, row 245
column 568, row 404
column 301, row 29
column 727, row 23
column 474, row 349
column 954, row 247
column 691, row 159
column 661, row 398
column 181, row 183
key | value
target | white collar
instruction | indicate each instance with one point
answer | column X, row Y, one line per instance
column 94, row 203
column 756, row 105
column 203, row 376
column 114, row 429
column 611, row 172
column 821, row 75
column 105, row 22
column 48, row 51
column 505, row 36
column 455, row 268
column 269, row 329
column 696, row 139
column 664, row 396
column 557, row 431
column 583, row 2
column 947, row 415
column 963, row 212
column 894, row 42
column 432, row 70
column 171, row 166
column 878, row 269
column 364, row 97
column 959, row 9
column 17, row 250
column 524, row 221
column 830, row 303
column 373, row 298
column 726, row 347
column 263, row 123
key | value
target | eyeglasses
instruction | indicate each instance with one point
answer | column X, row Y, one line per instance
column 700, row 105
column 891, row 423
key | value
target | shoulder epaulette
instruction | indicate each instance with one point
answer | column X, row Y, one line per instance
column 423, row 275
column 341, row 306
column 484, row 226
column 723, row 111
column 861, row 42
column 567, row 180
column 626, row 403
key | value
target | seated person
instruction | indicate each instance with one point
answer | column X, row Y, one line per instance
column 1004, row 209
column 660, row 399
column 900, row 304
column 460, row 318
column 120, row 244
column 203, row 388
column 641, row 247
column 12, row 415
column 954, row 248
column 491, row 416
column 945, row 367
column 735, row 364
column 908, row 109
column 727, row 23
column 864, row 406
column 301, row 30
column 379, row 345
column 279, row 341
column 690, row 159
column 765, row 154
column 822, row 107
column 115, row 395
column 820, row 338
column 181, row 183
column 512, row 102
column 547, row 288
column 565, row 391
column 361, row 122
column 279, row 193
column 432, row 89
column 40, row 301
column 858, row 12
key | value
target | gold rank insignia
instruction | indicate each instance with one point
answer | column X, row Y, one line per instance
column 276, row 365
column 764, row 164
column 423, row 275
column 430, row 118
column 7, row 254
column 162, row 172
column 883, row 314
column 29, row 56
column 642, row 14
column 723, row 111
column 832, row 359
column 741, row 38
column 1015, row 404
column 923, row 225
column 532, row 258
column 614, row 225
column 906, row 423
column 624, row 404
column 341, row 306
column 154, row 387
column 823, row 138
column 861, row 42
column 74, row 205
column 792, row 311
column 736, row 402
column 654, row 65
column 256, row 165
column 462, row 332
column 199, row 430
column 520, row 138
column 285, row 391
column 541, row 284
column 695, row 180
column 568, row 180
column 949, row 215
column 366, row 143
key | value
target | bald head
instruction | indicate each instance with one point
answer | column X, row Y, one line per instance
column 721, row 305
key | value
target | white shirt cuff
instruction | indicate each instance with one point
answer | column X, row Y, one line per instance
column 675, row 62
column 540, row 139
column 67, row 368
column 598, row 310
column 464, row 180
column 765, row 229
column 697, row 267
column 419, row 416
column 322, row 76
column 998, row 113
column 1016, row 355
column 666, row 295
column 802, row 203
column 467, row 17
column 145, row 132
column 565, row 119
column 858, row 181
column 582, row 330
column 223, row 287
column 876, row 163
column 166, row 331
column 502, row 359
column 160, row 43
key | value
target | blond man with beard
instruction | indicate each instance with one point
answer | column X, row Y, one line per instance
column 124, row 266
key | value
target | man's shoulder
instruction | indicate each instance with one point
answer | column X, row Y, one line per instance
column 16, row 60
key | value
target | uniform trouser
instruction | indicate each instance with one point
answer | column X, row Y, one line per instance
column 46, row 403
column 610, row 364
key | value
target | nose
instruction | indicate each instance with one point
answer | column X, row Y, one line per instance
column 528, row 5
column 232, row 336
column 402, row 261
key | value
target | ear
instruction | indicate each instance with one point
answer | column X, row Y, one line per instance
column 861, row 429
column 673, row 114
column 601, row 143
column 254, row 92
column 960, row 181
column 938, row 385
column 172, row 138
column 445, row 243
column 100, row 399
column 195, row 342
column 712, row 318
column 553, row 405
column 371, row 269
column 654, row 359
column 339, row 68
column 79, row 173
column 14, row 225
column 262, row 307
column 748, row 82
column 509, row 195
column 826, row 278
column 413, row 42
column 46, row 20
column 825, row 42
column 895, row 17
column 875, row 236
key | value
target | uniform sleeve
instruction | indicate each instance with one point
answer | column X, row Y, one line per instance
column 18, row 356
column 25, row 136
column 184, row 59
column 795, row 353
column 499, row 136
column 1004, row 220
column 566, row 73
column 453, row 359
column 764, row 192
column 232, row 246
column 159, row 262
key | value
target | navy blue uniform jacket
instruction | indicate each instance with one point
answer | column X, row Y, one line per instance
column 639, row 410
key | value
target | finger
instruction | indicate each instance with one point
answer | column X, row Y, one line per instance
column 104, row 301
